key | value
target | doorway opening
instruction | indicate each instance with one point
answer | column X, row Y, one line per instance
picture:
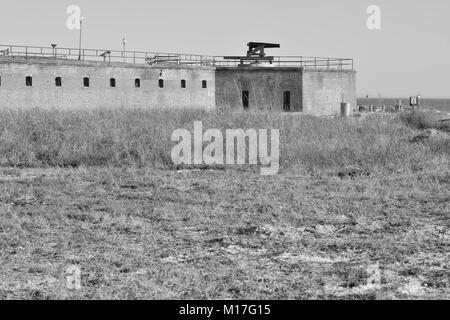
column 287, row 101
column 245, row 99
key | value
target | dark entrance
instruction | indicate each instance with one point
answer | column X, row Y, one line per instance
column 245, row 99
column 287, row 101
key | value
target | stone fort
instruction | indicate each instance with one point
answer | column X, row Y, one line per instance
column 66, row 78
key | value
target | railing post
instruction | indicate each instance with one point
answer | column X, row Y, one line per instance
column 134, row 57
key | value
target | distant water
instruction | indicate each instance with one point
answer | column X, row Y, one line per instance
column 437, row 104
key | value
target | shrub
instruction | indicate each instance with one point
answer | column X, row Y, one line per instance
column 424, row 120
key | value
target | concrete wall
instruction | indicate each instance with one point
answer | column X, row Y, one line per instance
column 314, row 92
column 264, row 84
column 311, row 92
column 73, row 95
column 323, row 91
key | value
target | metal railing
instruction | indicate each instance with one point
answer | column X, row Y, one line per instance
column 299, row 61
column 152, row 58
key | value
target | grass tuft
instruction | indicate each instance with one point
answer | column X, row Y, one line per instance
column 142, row 138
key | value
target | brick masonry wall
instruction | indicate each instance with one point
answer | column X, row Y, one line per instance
column 73, row 95
column 323, row 91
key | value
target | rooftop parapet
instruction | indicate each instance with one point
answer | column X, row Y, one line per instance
column 154, row 58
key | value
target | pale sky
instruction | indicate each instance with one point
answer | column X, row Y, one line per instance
column 409, row 55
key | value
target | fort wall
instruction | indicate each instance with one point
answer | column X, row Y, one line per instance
column 324, row 90
column 61, row 84
column 136, row 86
column 265, row 86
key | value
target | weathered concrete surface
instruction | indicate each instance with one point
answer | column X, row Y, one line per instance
column 323, row 91
column 310, row 91
column 265, row 87
column 73, row 95
column 313, row 92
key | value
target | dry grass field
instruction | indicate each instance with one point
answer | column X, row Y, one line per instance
column 98, row 190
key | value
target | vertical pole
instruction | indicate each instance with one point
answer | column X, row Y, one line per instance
column 124, row 42
column 79, row 43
